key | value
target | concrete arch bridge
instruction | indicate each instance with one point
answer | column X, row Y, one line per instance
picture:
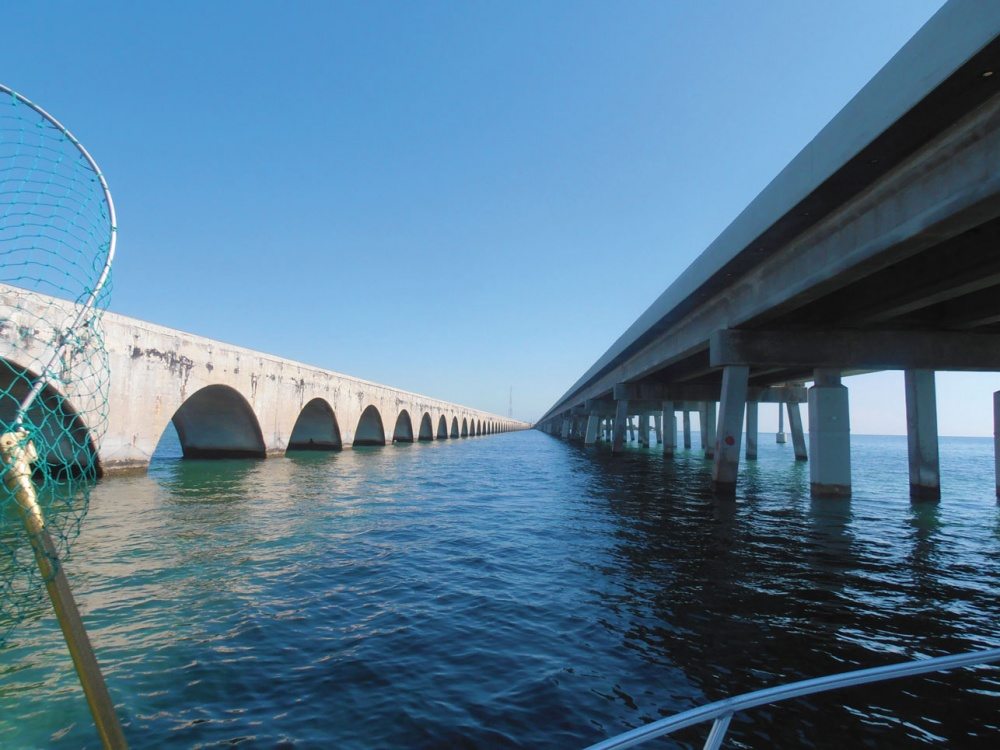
column 224, row 400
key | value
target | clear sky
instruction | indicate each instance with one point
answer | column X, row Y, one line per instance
column 452, row 198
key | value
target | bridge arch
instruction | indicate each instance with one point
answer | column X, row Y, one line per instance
column 426, row 428
column 316, row 428
column 403, row 431
column 454, row 427
column 442, row 432
column 479, row 427
column 217, row 422
column 64, row 442
column 370, row 430
column 465, row 427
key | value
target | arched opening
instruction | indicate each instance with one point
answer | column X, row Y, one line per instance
column 442, row 428
column 465, row 427
column 370, row 430
column 454, row 427
column 479, row 428
column 403, row 431
column 217, row 422
column 426, row 428
column 64, row 444
column 316, row 429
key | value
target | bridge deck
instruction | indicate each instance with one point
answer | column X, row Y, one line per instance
column 885, row 221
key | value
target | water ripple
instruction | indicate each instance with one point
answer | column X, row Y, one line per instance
column 517, row 592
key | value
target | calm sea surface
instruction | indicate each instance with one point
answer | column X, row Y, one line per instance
column 516, row 591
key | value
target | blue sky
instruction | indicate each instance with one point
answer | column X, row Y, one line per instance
column 452, row 198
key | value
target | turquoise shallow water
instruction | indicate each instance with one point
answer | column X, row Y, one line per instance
column 516, row 591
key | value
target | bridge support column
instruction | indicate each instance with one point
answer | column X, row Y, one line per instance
column 751, row 431
column 686, row 420
column 631, row 429
column 922, row 435
column 591, row 436
column 708, row 428
column 779, row 437
column 996, row 439
column 829, row 436
column 727, row 446
column 658, row 428
column 565, row 429
column 798, row 436
column 642, row 425
column 669, row 429
column 618, row 441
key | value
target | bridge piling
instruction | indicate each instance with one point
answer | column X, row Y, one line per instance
column 798, row 437
column 686, row 419
column 621, row 412
column 708, row 419
column 642, row 425
column 996, row 439
column 829, row 436
column 751, row 453
column 669, row 429
column 725, row 468
column 922, row 435
column 592, row 424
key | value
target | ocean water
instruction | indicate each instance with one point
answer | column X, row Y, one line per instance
column 518, row 591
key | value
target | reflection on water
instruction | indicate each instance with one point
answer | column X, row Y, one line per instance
column 516, row 591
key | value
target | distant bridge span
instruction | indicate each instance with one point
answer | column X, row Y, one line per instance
column 224, row 400
column 875, row 248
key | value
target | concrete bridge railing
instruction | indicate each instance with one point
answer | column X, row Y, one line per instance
column 224, row 400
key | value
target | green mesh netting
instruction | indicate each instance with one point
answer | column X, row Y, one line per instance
column 56, row 239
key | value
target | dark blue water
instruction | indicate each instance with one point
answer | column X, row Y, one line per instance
column 516, row 591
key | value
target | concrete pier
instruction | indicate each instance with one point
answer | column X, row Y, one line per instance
column 727, row 445
column 708, row 411
column 686, row 418
column 621, row 416
column 642, row 425
column 996, row 439
column 593, row 422
column 751, row 431
column 829, row 436
column 670, row 429
column 922, row 434
column 779, row 436
column 658, row 428
column 798, row 437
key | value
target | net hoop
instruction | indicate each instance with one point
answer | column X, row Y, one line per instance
column 44, row 378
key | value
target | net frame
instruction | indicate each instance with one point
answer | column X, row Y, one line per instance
column 69, row 344
column 102, row 279
column 54, row 237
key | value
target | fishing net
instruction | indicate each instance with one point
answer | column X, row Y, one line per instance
column 56, row 243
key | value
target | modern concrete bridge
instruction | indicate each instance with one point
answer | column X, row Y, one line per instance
column 875, row 248
column 225, row 401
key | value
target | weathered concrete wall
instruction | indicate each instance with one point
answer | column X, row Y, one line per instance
column 253, row 402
